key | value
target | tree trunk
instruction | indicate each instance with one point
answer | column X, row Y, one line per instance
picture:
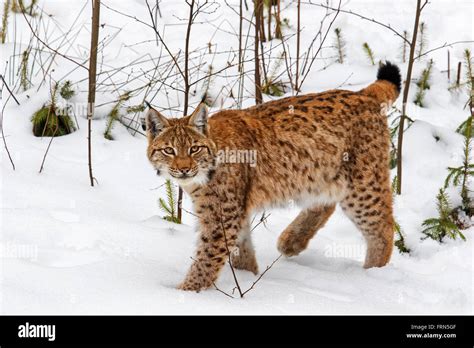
column 241, row 20
column 92, row 80
column 298, row 35
column 405, row 97
column 258, row 87
column 261, row 21
column 278, row 33
column 269, row 22
column 186, row 91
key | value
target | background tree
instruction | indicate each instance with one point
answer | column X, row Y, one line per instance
column 92, row 80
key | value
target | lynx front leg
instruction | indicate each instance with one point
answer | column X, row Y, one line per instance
column 218, row 234
column 243, row 257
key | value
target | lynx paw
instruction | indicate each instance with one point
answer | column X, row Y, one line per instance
column 195, row 283
column 246, row 262
column 291, row 244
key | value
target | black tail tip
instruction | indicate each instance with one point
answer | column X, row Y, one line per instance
column 391, row 73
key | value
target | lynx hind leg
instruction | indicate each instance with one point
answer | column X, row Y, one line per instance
column 296, row 236
column 369, row 206
column 243, row 256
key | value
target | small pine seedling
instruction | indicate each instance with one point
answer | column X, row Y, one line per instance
column 462, row 128
column 52, row 121
column 461, row 176
column 271, row 85
column 114, row 115
column 422, row 39
column 394, row 184
column 469, row 65
column 135, row 109
column 24, row 81
column 400, row 240
column 423, row 84
column 442, row 226
column 340, row 45
column 394, row 127
column 66, row 91
column 169, row 206
column 368, row 51
column 6, row 13
column 469, row 77
column 405, row 46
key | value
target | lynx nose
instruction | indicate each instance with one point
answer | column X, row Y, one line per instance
column 184, row 170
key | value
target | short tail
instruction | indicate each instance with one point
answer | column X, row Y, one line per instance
column 388, row 85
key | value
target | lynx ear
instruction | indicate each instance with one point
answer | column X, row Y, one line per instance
column 155, row 122
column 198, row 118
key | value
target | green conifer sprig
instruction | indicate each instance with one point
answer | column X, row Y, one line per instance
column 340, row 44
column 169, row 206
column 442, row 226
column 460, row 176
column 368, row 51
column 422, row 39
column 52, row 121
column 468, row 63
column 400, row 238
column 404, row 47
column 272, row 86
column 114, row 115
column 462, row 128
column 66, row 91
column 24, row 81
column 6, row 14
column 423, row 84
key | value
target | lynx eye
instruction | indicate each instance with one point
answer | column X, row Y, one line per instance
column 195, row 149
column 168, row 150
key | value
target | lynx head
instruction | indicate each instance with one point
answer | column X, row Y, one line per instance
column 180, row 148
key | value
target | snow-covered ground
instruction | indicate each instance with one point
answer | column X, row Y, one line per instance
column 68, row 248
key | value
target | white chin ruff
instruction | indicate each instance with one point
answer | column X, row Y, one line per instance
column 199, row 179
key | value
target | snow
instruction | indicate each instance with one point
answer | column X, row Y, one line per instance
column 68, row 248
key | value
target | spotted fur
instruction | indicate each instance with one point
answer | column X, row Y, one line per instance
column 316, row 149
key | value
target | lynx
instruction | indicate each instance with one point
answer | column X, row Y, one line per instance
column 317, row 149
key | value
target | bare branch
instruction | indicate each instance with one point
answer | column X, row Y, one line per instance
column 323, row 39
column 387, row 26
column 49, row 47
column 9, row 90
column 261, row 275
column 4, row 139
column 443, row 46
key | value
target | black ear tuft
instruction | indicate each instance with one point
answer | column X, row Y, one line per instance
column 391, row 73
